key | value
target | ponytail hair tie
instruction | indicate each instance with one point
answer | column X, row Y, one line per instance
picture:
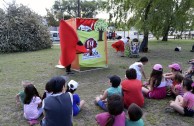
column 192, row 85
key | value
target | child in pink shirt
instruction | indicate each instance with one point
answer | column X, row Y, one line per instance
column 32, row 103
column 115, row 115
column 185, row 105
column 177, row 89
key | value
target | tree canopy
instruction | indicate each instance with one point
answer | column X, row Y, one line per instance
column 155, row 16
column 69, row 8
column 22, row 30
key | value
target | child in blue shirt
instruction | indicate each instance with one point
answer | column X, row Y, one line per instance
column 114, row 89
column 77, row 104
column 135, row 113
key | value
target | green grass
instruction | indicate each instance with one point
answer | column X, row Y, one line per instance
column 39, row 67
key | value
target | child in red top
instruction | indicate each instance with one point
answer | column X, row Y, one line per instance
column 132, row 89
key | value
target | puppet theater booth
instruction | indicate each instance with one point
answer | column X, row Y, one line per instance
column 92, row 33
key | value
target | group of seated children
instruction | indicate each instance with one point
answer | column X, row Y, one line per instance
column 131, row 90
column 122, row 94
column 34, row 105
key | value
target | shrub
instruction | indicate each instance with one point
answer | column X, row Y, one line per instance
column 22, row 30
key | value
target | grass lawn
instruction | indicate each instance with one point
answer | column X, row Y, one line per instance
column 39, row 67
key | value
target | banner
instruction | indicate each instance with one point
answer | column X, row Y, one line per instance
column 96, row 56
column 91, row 32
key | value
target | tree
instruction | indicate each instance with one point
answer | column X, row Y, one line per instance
column 140, row 11
column 22, row 30
column 100, row 26
column 88, row 9
column 51, row 19
column 67, row 9
column 171, row 15
column 70, row 7
column 156, row 16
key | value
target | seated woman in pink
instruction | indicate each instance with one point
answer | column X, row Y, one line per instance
column 132, row 89
column 115, row 115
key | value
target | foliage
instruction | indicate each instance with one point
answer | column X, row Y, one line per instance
column 51, row 19
column 156, row 16
column 171, row 15
column 100, row 25
column 22, row 30
column 67, row 9
column 88, row 9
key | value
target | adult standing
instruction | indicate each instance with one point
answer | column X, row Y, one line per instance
column 132, row 89
column 58, row 107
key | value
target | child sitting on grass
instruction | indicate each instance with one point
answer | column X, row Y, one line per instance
column 21, row 95
column 177, row 89
column 156, row 85
column 135, row 113
column 32, row 103
column 77, row 104
column 114, row 89
column 115, row 115
column 48, row 90
column 175, row 68
column 185, row 105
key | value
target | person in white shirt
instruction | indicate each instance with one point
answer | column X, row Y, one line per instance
column 138, row 66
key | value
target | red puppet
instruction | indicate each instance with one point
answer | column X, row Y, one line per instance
column 70, row 45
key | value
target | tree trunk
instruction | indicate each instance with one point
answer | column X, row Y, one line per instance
column 165, row 36
column 144, row 44
column 100, row 35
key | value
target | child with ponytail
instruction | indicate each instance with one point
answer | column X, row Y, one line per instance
column 115, row 115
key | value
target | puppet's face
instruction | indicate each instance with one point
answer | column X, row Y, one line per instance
column 90, row 44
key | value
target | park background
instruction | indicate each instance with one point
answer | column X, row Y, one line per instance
column 37, row 64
